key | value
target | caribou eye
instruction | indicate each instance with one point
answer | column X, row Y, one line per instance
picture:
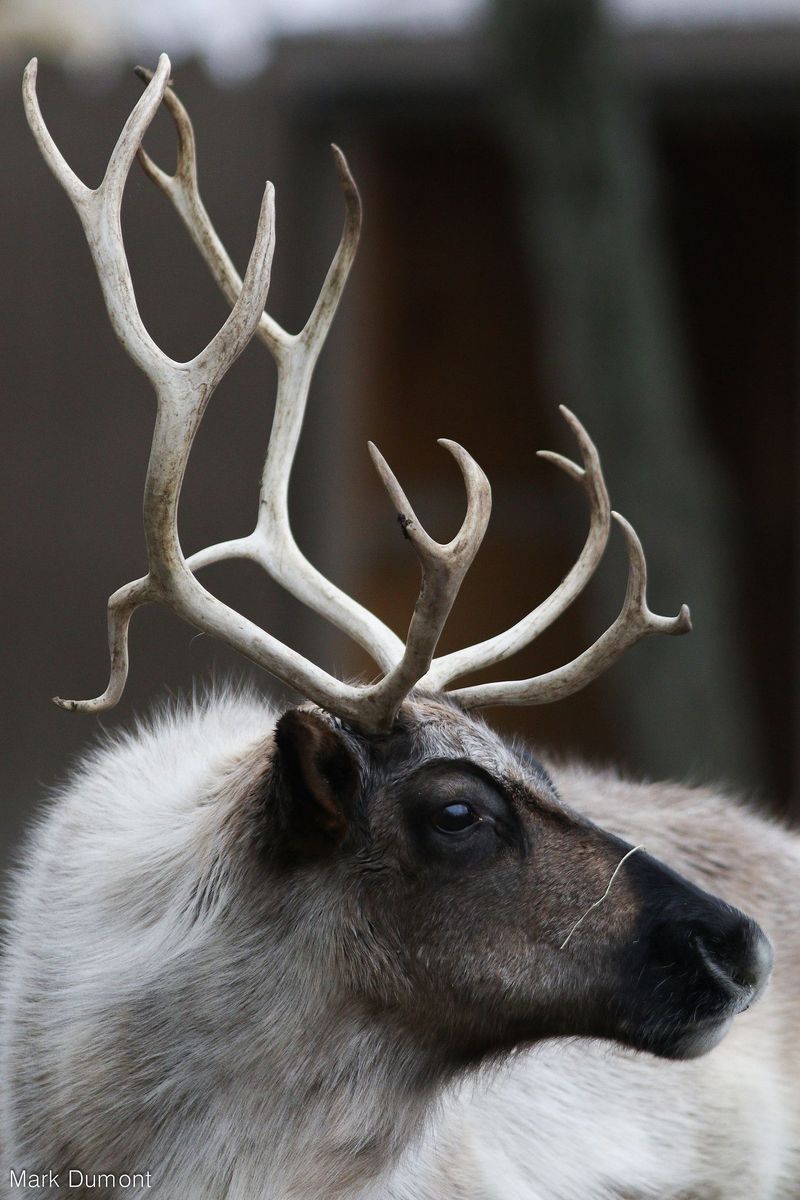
column 453, row 818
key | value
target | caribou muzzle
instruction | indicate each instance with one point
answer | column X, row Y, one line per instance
column 705, row 961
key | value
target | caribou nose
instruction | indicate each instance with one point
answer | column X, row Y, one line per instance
column 737, row 955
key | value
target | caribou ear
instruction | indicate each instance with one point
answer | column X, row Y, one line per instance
column 317, row 779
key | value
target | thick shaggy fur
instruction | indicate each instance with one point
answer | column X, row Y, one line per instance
column 150, row 1024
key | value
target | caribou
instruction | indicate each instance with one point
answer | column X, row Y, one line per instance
column 361, row 947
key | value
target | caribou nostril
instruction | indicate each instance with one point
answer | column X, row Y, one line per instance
column 740, row 960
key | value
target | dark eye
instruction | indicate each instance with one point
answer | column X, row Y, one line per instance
column 453, row 818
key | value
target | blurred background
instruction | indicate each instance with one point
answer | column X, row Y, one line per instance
column 567, row 201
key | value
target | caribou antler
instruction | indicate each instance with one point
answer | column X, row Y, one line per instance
column 184, row 389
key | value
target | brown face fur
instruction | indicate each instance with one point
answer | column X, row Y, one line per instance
column 464, row 875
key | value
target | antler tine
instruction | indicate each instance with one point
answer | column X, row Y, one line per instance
column 634, row 622
column 134, row 129
column 443, row 570
column 495, row 649
column 272, row 544
column 121, row 607
column 319, row 322
column 99, row 211
column 75, row 188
